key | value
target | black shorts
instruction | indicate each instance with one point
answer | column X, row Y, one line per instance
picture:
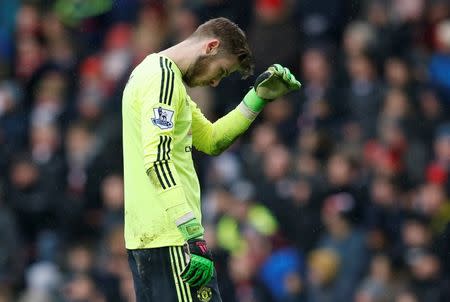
column 156, row 276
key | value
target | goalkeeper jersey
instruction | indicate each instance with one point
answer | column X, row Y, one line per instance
column 160, row 125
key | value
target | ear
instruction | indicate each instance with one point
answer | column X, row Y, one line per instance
column 212, row 47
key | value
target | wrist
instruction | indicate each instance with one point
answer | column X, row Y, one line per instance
column 191, row 229
column 199, row 247
column 253, row 101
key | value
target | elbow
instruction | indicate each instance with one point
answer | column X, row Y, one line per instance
column 220, row 146
column 215, row 151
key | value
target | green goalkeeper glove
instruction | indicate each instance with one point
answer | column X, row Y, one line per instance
column 200, row 268
column 276, row 81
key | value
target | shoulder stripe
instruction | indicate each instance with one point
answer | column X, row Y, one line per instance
column 166, row 84
column 169, row 76
column 163, row 76
column 172, row 75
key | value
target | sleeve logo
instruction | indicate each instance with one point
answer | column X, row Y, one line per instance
column 163, row 118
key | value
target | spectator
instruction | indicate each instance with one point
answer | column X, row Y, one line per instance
column 324, row 266
column 379, row 284
column 346, row 240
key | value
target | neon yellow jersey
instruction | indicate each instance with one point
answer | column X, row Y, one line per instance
column 160, row 125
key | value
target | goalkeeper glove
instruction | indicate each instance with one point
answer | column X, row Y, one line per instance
column 276, row 81
column 200, row 268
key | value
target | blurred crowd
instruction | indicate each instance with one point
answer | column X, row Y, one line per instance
column 339, row 192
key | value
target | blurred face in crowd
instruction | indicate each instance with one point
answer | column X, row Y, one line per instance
column 377, row 13
column 382, row 192
column 112, row 192
column 425, row 267
column 24, row 174
column 185, row 23
column 323, row 266
column 82, row 288
column 431, row 198
column 210, row 67
column 263, row 137
column 80, row 259
column 27, row 20
column 380, row 268
column 357, row 38
column 301, row 192
column 391, row 134
column 396, row 72
column 7, row 99
column 442, row 148
column 309, row 141
column 278, row 112
column 430, row 105
column 241, row 268
column 30, row 55
column 315, row 66
column 406, row 297
column 50, row 90
column 415, row 234
column 339, row 170
column 276, row 162
column 361, row 68
column 443, row 36
column 307, row 165
column 396, row 105
column 409, row 10
column 79, row 142
column 44, row 140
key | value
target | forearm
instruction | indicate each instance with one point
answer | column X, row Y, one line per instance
column 218, row 136
column 171, row 193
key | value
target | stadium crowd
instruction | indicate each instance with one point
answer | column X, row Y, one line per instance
column 339, row 192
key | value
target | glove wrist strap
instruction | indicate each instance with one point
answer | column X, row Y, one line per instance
column 199, row 247
column 253, row 101
column 191, row 229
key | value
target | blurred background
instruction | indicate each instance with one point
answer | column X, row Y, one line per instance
column 339, row 192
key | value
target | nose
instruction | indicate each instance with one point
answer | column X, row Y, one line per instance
column 214, row 83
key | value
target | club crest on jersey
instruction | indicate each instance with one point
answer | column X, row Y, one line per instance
column 204, row 294
column 163, row 118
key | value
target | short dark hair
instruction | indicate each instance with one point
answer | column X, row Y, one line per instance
column 233, row 41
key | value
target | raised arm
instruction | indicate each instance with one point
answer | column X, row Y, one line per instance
column 214, row 138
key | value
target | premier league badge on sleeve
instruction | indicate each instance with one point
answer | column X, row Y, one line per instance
column 163, row 118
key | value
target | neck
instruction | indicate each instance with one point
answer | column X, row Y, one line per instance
column 182, row 54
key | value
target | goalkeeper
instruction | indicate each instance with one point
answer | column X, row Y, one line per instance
column 168, row 256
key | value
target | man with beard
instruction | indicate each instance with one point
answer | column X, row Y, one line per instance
column 168, row 256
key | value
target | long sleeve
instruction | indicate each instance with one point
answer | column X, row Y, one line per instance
column 159, row 104
column 214, row 138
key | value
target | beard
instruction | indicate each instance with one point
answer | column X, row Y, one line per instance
column 199, row 67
